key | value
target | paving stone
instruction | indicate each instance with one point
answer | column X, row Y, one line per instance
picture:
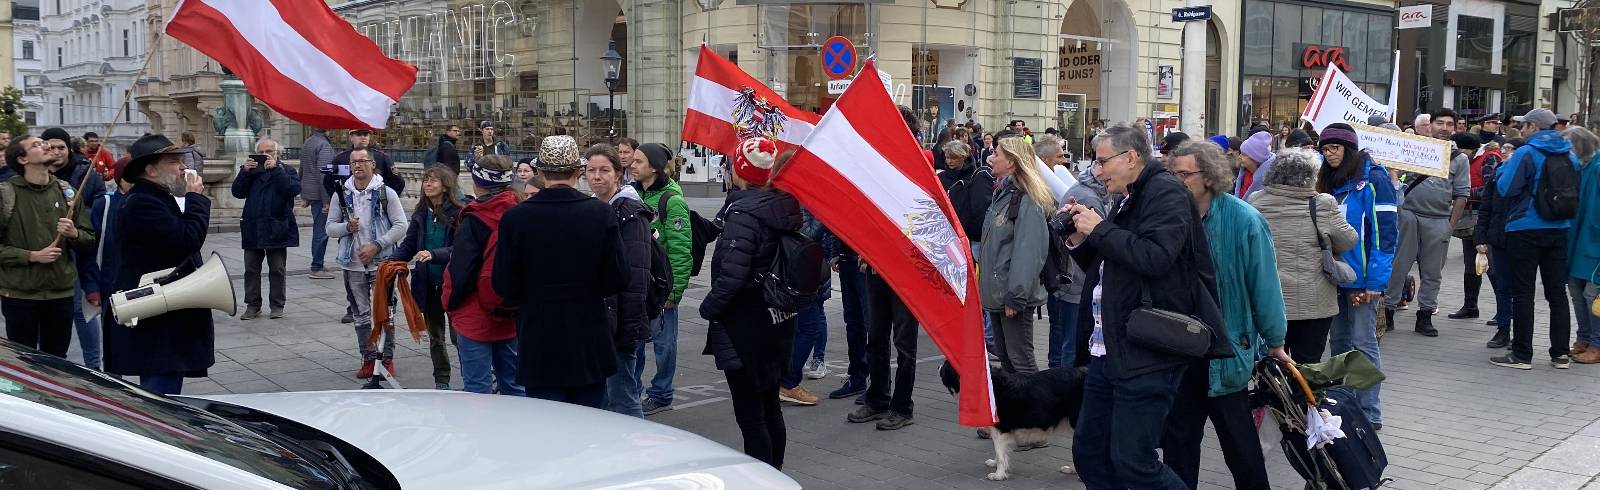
column 1540, row 479
column 1578, row 455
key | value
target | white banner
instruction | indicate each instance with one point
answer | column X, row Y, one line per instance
column 1405, row 151
column 1338, row 99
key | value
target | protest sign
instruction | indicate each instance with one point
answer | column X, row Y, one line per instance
column 1405, row 151
column 1338, row 99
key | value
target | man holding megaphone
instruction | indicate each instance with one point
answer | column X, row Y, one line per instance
column 165, row 348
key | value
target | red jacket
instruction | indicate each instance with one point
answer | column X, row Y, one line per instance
column 475, row 309
column 103, row 161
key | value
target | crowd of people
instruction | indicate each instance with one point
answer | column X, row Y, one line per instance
column 1290, row 247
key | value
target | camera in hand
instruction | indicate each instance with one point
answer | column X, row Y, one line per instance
column 261, row 162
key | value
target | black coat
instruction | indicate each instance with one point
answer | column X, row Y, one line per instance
column 157, row 236
column 422, row 286
column 971, row 190
column 627, row 309
column 78, row 167
column 568, row 258
column 743, row 333
column 447, row 154
column 268, row 221
column 1154, row 241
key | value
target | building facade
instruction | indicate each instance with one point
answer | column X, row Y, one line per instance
column 92, row 50
column 27, row 60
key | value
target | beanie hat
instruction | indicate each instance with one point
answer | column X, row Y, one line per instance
column 1258, row 147
column 1172, row 141
column 1220, row 140
column 1234, row 142
column 1466, row 141
column 119, row 167
column 487, row 178
column 753, row 162
column 56, row 134
column 1376, row 120
column 1298, row 138
column 1340, row 133
column 657, row 155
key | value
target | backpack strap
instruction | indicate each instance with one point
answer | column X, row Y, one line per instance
column 661, row 204
column 1011, row 207
column 1411, row 186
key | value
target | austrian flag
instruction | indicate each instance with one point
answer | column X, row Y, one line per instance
column 299, row 57
column 727, row 105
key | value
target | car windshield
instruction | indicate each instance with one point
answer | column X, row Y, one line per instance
column 54, row 382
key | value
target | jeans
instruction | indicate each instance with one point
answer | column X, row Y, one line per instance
column 41, row 324
column 433, row 313
column 1541, row 252
column 664, row 337
column 759, row 417
column 488, row 365
column 319, row 234
column 88, row 332
column 276, row 277
column 1500, row 281
column 1306, row 340
column 360, row 284
column 622, row 389
column 853, row 286
column 1583, row 294
column 1063, row 333
column 1121, row 425
column 1356, row 328
column 1230, row 416
column 810, row 324
column 892, row 328
column 589, row 395
column 166, row 384
column 1013, row 341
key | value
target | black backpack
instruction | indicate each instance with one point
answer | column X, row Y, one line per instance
column 1057, row 270
column 797, row 273
column 701, row 232
column 1556, row 196
column 655, row 297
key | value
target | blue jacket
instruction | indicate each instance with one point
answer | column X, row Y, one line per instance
column 1518, row 179
column 1370, row 207
column 1247, row 289
column 268, row 221
column 107, row 255
column 1583, row 239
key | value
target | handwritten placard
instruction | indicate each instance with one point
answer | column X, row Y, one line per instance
column 1405, row 151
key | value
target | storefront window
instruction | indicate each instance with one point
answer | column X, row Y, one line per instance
column 1519, row 59
column 1278, row 79
column 1474, row 43
column 793, row 34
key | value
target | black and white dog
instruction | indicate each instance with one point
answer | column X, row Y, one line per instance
column 1032, row 408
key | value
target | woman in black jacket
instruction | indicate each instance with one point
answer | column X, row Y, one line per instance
column 749, row 345
column 630, row 322
column 428, row 243
column 970, row 186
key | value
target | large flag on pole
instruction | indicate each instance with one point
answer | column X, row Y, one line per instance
column 863, row 175
column 727, row 105
column 299, row 57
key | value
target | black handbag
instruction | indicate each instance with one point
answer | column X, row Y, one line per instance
column 1166, row 331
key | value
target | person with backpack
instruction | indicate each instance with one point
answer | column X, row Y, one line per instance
column 1539, row 187
column 368, row 220
column 1013, row 253
column 38, row 245
column 1483, row 157
column 1253, row 317
column 674, row 228
column 429, row 243
column 1583, row 247
column 486, row 330
column 444, row 151
column 564, row 257
column 631, row 309
column 749, row 339
column 1430, row 208
column 811, row 331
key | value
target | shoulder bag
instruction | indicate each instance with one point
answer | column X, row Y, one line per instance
column 1336, row 270
column 1167, row 331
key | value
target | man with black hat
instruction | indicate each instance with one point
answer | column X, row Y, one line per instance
column 665, row 199
column 1489, row 129
column 181, row 343
column 570, row 260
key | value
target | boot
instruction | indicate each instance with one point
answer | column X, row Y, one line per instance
column 1388, row 319
column 1499, row 341
column 1425, row 324
column 1580, row 347
column 1464, row 312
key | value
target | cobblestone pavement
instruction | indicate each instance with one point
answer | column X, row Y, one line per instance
column 1451, row 420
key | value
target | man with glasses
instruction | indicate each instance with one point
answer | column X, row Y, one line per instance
column 342, row 169
column 1489, row 129
column 368, row 220
column 1429, row 210
column 73, row 168
column 268, row 229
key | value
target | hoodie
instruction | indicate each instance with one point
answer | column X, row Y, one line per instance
column 383, row 222
column 1517, row 180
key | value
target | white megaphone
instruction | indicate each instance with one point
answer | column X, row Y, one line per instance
column 163, row 291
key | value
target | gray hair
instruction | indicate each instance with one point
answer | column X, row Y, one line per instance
column 268, row 139
column 1294, row 167
column 1212, row 163
column 957, row 147
column 1047, row 147
column 1126, row 138
column 1584, row 142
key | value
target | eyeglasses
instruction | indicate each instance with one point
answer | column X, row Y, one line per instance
column 368, row 160
column 1328, row 148
column 1103, row 161
column 1183, row 175
column 40, row 144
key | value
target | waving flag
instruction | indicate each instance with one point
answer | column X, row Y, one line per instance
column 863, row 175
column 727, row 105
column 298, row 57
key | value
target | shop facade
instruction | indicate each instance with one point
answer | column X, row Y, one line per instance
column 1288, row 45
column 1481, row 57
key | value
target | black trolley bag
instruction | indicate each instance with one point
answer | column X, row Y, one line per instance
column 1353, row 462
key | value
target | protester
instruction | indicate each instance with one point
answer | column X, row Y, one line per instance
column 1171, row 142
column 527, row 179
column 1364, row 191
column 195, row 159
column 6, row 170
column 1253, row 317
column 429, row 241
column 1013, row 253
column 664, row 197
column 178, row 344
column 486, row 144
column 316, row 160
column 629, row 322
column 570, row 258
column 1481, row 157
column 1063, row 303
column 340, row 167
column 1536, row 244
column 102, row 214
column 1299, row 236
column 853, row 292
column 1583, row 246
column 1489, row 129
column 485, row 324
column 368, row 221
column 268, row 228
column 1151, row 244
column 444, row 151
column 750, row 341
column 811, row 332
column 1489, row 237
column 73, row 169
column 970, row 187
column 1429, row 210
column 1255, row 158
column 100, row 157
column 37, row 244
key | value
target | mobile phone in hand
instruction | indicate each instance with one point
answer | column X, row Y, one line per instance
column 261, row 161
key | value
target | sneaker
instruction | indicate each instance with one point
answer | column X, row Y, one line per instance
column 797, row 395
column 320, row 275
column 983, row 433
column 1499, row 341
column 347, row 319
column 895, row 421
column 1561, row 362
column 1464, row 313
column 1510, row 362
column 250, row 313
column 441, row 386
column 816, row 369
column 1491, row 323
column 866, row 414
column 276, row 313
column 1579, row 347
column 388, row 365
column 366, row 369
column 1591, row 356
column 849, row 389
column 652, row 406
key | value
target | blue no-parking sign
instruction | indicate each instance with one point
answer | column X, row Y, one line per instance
column 838, row 58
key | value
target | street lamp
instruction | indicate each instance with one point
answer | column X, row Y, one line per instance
column 611, row 61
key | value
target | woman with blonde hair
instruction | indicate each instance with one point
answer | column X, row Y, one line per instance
column 1015, row 244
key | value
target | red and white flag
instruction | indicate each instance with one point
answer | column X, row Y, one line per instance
column 299, row 57
column 862, row 173
column 727, row 105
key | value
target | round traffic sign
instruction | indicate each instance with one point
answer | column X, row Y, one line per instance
column 838, row 57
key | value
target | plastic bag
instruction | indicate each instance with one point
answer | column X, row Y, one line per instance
column 1483, row 263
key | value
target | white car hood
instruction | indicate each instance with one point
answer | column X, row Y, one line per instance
column 447, row 439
